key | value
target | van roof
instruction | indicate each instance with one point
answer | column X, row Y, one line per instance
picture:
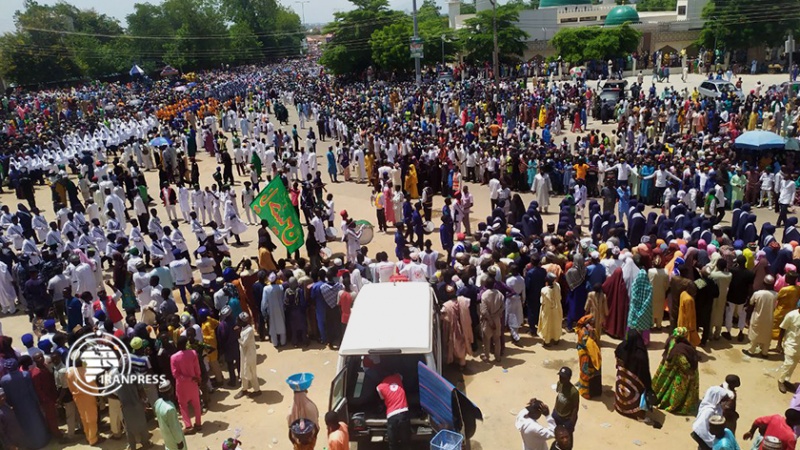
column 390, row 318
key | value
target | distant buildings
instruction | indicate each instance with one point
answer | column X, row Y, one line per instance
column 666, row 31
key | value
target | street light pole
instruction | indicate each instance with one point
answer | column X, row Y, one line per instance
column 443, row 38
column 496, row 51
column 417, row 62
column 302, row 4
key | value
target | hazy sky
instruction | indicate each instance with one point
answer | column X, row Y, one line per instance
column 316, row 11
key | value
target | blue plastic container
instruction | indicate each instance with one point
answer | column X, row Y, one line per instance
column 447, row 440
column 300, row 381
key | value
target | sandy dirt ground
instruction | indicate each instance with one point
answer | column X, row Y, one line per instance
column 500, row 390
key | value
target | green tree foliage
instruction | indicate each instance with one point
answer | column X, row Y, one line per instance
column 390, row 44
column 524, row 4
column 580, row 44
column 741, row 24
column 468, row 7
column 61, row 41
column 477, row 36
column 277, row 28
column 656, row 5
column 350, row 49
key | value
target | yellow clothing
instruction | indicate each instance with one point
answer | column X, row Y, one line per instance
column 542, row 116
column 752, row 122
column 265, row 260
column 411, row 182
column 209, row 328
column 687, row 318
column 85, row 404
column 787, row 301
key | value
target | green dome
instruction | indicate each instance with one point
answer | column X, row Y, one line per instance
column 621, row 14
column 559, row 3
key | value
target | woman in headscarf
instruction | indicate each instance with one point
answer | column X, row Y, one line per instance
column 576, row 297
column 21, row 395
column 617, row 294
column 784, row 257
column 633, row 376
column 597, row 306
column 640, row 313
column 760, row 271
column 710, row 406
column 411, row 182
column 590, row 383
column 629, row 270
column 677, row 380
column 787, row 301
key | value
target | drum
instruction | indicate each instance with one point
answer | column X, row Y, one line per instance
column 429, row 227
column 332, row 234
column 367, row 232
column 325, row 253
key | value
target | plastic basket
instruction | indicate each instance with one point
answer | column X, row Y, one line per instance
column 447, row 440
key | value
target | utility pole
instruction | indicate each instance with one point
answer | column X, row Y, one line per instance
column 443, row 38
column 790, row 50
column 496, row 51
column 302, row 4
column 417, row 62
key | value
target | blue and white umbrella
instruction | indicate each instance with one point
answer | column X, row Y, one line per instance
column 760, row 140
column 136, row 70
column 160, row 142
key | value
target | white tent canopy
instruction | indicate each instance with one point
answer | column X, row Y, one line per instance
column 136, row 70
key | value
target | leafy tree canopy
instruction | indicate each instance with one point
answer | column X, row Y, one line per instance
column 60, row 41
column 478, row 40
column 740, row 24
column 580, row 44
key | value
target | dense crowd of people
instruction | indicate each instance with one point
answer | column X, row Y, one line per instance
column 598, row 265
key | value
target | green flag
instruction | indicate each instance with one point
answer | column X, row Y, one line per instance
column 273, row 205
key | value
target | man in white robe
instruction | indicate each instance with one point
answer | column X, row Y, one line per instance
column 247, row 352
column 764, row 302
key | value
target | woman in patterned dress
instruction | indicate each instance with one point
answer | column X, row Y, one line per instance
column 633, row 375
column 677, row 380
column 590, row 383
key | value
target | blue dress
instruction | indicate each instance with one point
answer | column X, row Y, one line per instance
column 21, row 395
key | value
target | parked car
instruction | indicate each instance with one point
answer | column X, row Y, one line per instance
column 613, row 91
column 715, row 88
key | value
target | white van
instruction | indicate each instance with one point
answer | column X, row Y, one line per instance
column 394, row 328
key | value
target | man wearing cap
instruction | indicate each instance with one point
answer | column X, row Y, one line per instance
column 167, row 416
column 247, row 350
column 567, row 405
column 760, row 330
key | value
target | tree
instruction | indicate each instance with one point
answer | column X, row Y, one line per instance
column 277, row 28
column 389, row 46
column 350, row 51
column 656, row 5
column 577, row 45
column 478, row 41
column 468, row 7
column 245, row 46
column 741, row 24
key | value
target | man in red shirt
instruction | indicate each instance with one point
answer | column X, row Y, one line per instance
column 777, row 426
column 398, row 423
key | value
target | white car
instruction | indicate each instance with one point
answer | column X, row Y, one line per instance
column 715, row 88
